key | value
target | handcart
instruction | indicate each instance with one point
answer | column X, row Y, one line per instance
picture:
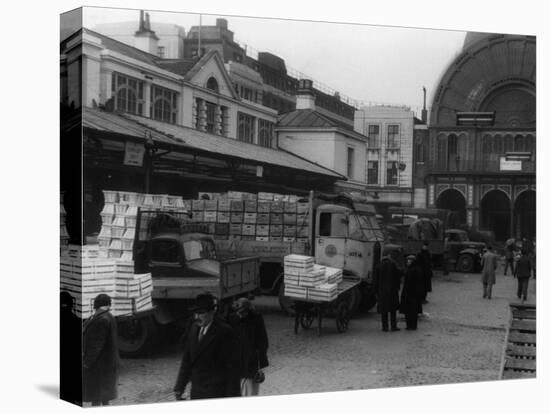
column 306, row 310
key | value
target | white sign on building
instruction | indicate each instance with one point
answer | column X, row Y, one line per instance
column 509, row 165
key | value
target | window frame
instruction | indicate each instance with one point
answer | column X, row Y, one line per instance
column 350, row 162
column 122, row 89
column 396, row 174
column 168, row 100
column 376, row 136
column 395, row 136
column 245, row 120
column 376, row 172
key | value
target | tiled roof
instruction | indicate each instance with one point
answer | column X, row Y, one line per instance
column 305, row 118
column 184, row 137
column 178, row 66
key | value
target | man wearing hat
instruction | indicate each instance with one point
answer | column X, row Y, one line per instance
column 210, row 355
column 100, row 360
column 412, row 293
column 387, row 279
column 249, row 327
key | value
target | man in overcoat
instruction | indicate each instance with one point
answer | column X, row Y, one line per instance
column 387, row 279
column 100, row 360
column 488, row 266
column 424, row 260
column 412, row 292
column 209, row 356
column 249, row 327
column 523, row 273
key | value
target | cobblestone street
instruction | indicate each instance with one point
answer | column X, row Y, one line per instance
column 459, row 340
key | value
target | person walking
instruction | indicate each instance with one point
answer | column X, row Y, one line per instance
column 424, row 261
column 249, row 328
column 509, row 257
column 488, row 265
column 387, row 279
column 523, row 273
column 412, row 293
column 209, row 358
column 100, row 360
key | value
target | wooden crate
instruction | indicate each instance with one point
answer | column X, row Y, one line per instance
column 248, row 238
column 224, row 205
column 237, row 205
column 289, row 231
column 302, row 220
column 264, row 207
column 276, row 230
column 302, row 208
column 224, row 216
column 302, row 231
column 288, row 239
column 210, row 205
column 198, row 216
column 262, row 238
column 262, row 230
column 249, row 230
column 277, row 207
column 262, row 218
column 275, row 218
column 222, row 229
column 197, row 205
column 276, row 238
column 250, row 218
column 210, row 216
column 235, row 229
column 250, row 206
column 236, row 217
column 289, row 207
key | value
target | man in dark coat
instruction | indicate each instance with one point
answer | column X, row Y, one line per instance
column 412, row 293
column 424, row 260
column 100, row 360
column 387, row 278
column 70, row 341
column 249, row 327
column 209, row 356
column 523, row 273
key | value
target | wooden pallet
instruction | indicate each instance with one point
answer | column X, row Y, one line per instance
column 520, row 349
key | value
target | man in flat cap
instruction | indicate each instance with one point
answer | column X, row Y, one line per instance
column 249, row 327
column 100, row 360
column 209, row 359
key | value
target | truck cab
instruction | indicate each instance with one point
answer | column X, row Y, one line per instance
column 347, row 238
column 460, row 251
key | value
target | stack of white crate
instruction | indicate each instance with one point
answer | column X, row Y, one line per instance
column 306, row 280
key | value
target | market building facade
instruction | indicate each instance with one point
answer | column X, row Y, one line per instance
column 165, row 126
column 482, row 143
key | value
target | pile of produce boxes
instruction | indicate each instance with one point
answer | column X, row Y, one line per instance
column 246, row 216
column 84, row 274
column 306, row 280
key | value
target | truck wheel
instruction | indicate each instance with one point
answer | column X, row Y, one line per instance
column 465, row 263
column 285, row 302
column 135, row 336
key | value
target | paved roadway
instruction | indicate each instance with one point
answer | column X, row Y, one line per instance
column 460, row 340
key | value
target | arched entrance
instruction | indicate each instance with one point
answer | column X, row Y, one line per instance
column 495, row 214
column 525, row 215
column 453, row 200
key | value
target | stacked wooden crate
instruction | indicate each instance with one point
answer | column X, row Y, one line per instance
column 304, row 279
column 260, row 217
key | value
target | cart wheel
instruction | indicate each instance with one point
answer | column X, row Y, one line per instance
column 342, row 317
column 306, row 320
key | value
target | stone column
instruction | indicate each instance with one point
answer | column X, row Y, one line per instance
column 147, row 102
column 218, row 120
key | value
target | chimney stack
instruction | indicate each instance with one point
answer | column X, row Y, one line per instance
column 145, row 38
column 424, row 111
column 305, row 98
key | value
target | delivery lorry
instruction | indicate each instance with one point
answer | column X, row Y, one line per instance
column 183, row 261
column 335, row 229
column 449, row 246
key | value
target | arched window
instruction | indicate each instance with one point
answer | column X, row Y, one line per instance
column 487, row 147
column 519, row 143
column 498, row 145
column 508, row 143
column 128, row 93
column 163, row 104
column 212, row 84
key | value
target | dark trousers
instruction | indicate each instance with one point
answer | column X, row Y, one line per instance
column 411, row 319
column 509, row 263
column 487, row 290
column 393, row 320
column 523, row 284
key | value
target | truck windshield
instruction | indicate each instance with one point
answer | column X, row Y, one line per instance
column 370, row 227
column 199, row 249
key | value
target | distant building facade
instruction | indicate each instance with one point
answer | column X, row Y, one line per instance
column 390, row 132
column 311, row 134
column 482, row 133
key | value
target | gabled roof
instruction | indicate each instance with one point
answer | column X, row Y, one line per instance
column 178, row 66
column 309, row 118
column 175, row 136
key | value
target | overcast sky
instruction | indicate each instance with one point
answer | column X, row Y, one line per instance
column 380, row 64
